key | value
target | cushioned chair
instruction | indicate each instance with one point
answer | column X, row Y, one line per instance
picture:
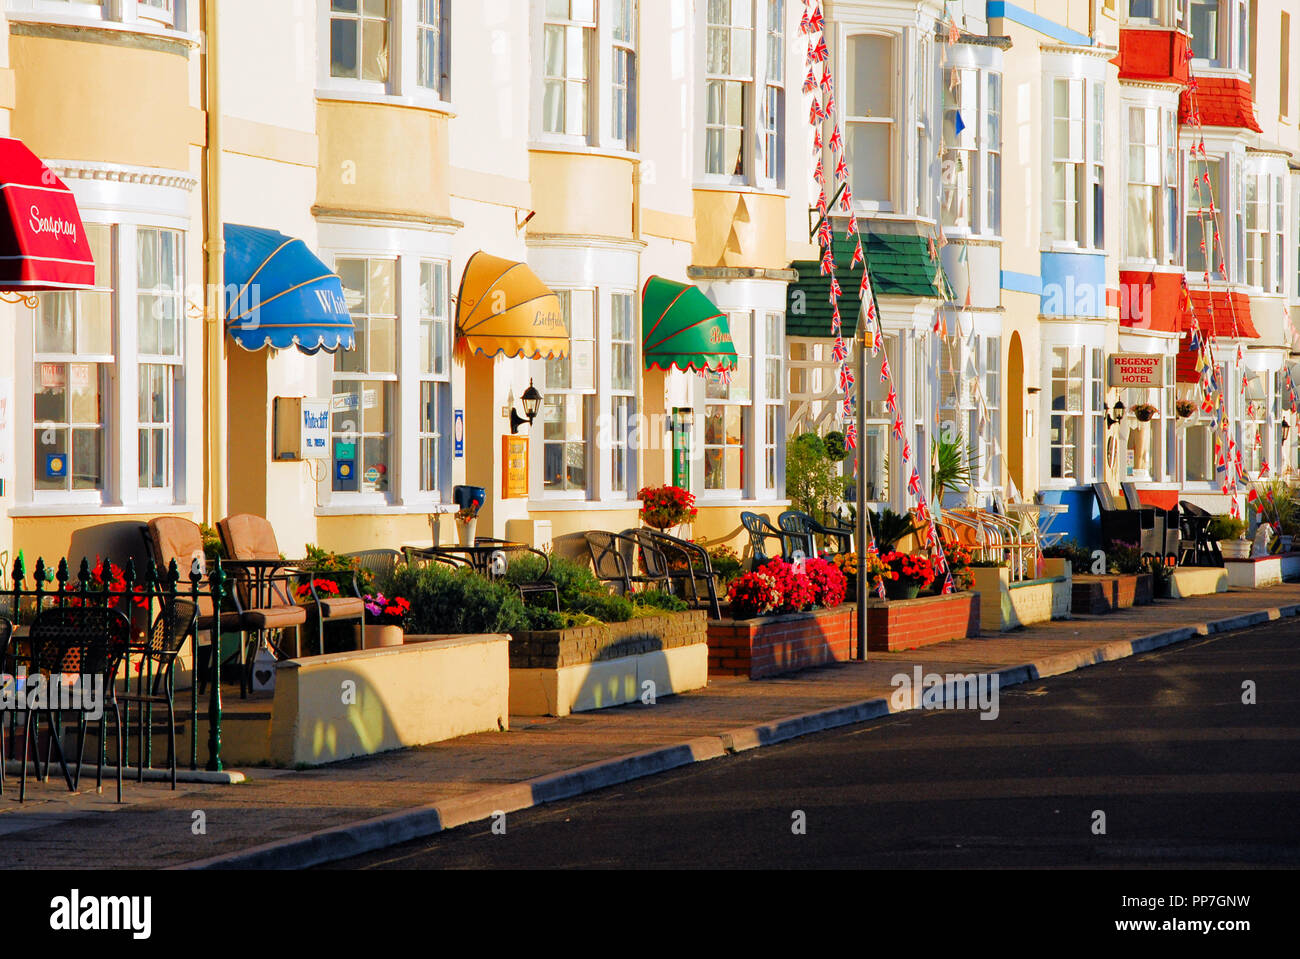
column 1167, row 522
column 265, row 585
column 173, row 539
column 1120, row 524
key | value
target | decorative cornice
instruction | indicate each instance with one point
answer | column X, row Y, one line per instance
column 975, row 39
column 109, row 32
column 1166, row 86
column 114, row 173
column 584, row 241
column 1097, row 51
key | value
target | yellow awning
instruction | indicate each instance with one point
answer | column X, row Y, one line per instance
column 504, row 308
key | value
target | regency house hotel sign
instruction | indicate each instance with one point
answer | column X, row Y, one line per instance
column 1140, row 371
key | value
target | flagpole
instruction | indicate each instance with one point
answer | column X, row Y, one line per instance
column 861, row 598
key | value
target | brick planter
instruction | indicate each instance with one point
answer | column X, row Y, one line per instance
column 1104, row 594
column 911, row 623
column 556, row 672
column 772, row 645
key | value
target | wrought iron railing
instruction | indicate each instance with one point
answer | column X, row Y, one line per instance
column 141, row 598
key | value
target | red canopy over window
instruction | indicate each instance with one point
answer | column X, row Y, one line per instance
column 43, row 245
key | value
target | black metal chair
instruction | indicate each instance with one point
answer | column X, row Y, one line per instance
column 760, row 530
column 176, row 622
column 6, row 635
column 542, row 586
column 1196, row 547
column 87, row 642
column 797, row 523
column 613, row 559
column 696, row 566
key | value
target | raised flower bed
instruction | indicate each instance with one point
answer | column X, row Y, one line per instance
column 1006, row 605
column 558, row 672
column 924, row 621
column 1093, row 595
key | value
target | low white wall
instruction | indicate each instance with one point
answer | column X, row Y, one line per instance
column 615, row 682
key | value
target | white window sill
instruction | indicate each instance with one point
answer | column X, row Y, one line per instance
column 724, row 502
column 372, row 509
column 721, row 186
column 418, row 102
column 85, row 509
column 146, row 27
column 582, row 149
column 576, row 505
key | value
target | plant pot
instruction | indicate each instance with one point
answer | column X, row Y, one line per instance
column 1235, row 548
column 380, row 637
column 467, row 531
column 898, row 589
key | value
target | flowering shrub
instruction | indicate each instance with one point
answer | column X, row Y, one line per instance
column 385, row 612
column 960, row 559
column 828, row 584
column 796, row 590
column 872, row 567
column 665, row 506
column 910, row 570
column 753, row 594
column 114, row 584
column 324, row 587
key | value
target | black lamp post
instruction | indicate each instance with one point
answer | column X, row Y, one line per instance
column 532, row 401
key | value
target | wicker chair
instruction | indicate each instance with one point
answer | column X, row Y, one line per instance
column 613, row 558
column 697, row 567
column 88, row 642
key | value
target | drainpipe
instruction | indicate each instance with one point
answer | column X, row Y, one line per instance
column 214, row 249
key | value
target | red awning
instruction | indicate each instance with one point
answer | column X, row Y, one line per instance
column 1220, row 313
column 43, row 245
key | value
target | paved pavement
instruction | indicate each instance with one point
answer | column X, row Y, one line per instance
column 396, row 797
column 1161, row 744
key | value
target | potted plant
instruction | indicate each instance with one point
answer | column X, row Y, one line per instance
column 1185, row 408
column 1145, row 412
column 666, row 506
column 467, row 521
column 1231, row 534
column 911, row 575
column 384, row 620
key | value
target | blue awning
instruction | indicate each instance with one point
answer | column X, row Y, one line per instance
column 279, row 294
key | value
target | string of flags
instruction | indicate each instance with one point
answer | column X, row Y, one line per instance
column 822, row 109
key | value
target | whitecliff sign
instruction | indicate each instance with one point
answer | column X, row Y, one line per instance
column 1136, row 370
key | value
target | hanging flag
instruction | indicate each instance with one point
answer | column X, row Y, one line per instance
column 898, row 428
column 959, row 124
column 914, row 484
column 810, row 82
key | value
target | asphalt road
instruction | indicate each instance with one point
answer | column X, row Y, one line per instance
column 1185, row 774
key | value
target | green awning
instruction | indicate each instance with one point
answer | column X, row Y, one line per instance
column 681, row 327
column 900, row 266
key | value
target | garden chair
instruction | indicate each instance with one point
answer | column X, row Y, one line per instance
column 1120, row 524
column 174, row 539
column 760, row 530
column 613, row 559
column 538, row 587
column 1196, row 548
column 379, row 563
column 87, row 642
column 1167, row 522
column 156, row 686
column 265, row 586
column 798, row 523
column 698, row 566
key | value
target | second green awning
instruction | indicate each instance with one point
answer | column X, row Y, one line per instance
column 680, row 327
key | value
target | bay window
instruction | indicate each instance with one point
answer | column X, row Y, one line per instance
column 870, row 118
column 570, row 390
column 623, row 74
column 435, row 374
column 972, row 165
column 1168, row 13
column 729, row 76
column 1205, row 254
column 774, row 404
column 1076, row 420
column 365, row 379
column 727, row 411
column 1076, row 211
column 74, row 358
column 1153, row 212
column 1220, row 32
column 623, row 439
column 389, row 47
column 774, row 95
column 151, row 14
column 159, row 283
column 1254, row 421
column 568, row 39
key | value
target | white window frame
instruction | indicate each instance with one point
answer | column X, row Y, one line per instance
column 1164, row 13
column 403, row 87
column 135, row 15
column 896, row 151
column 588, row 32
column 1195, row 198
column 588, row 398
column 736, row 320
column 626, row 47
column 1232, row 40
column 623, row 433
column 1081, row 166
column 1160, row 176
column 773, row 439
column 1089, row 462
column 435, row 323
column 173, row 363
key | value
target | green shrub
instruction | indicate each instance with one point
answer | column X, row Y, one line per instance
column 546, row 618
column 1124, row 558
column 605, row 607
column 1225, row 527
column 812, row 479
column 573, row 579
column 447, row 601
column 659, row 600
column 1079, row 556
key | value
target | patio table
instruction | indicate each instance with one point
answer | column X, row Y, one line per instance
column 479, row 557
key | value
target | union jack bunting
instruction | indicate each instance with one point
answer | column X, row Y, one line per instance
column 914, row 484
column 907, row 451
column 948, row 585
column 846, row 378
column 816, row 23
column 858, row 258
column 810, row 82
column 837, row 141
column 851, row 435
column 884, row 370
column 819, row 52
column 898, row 428
column 840, row 351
